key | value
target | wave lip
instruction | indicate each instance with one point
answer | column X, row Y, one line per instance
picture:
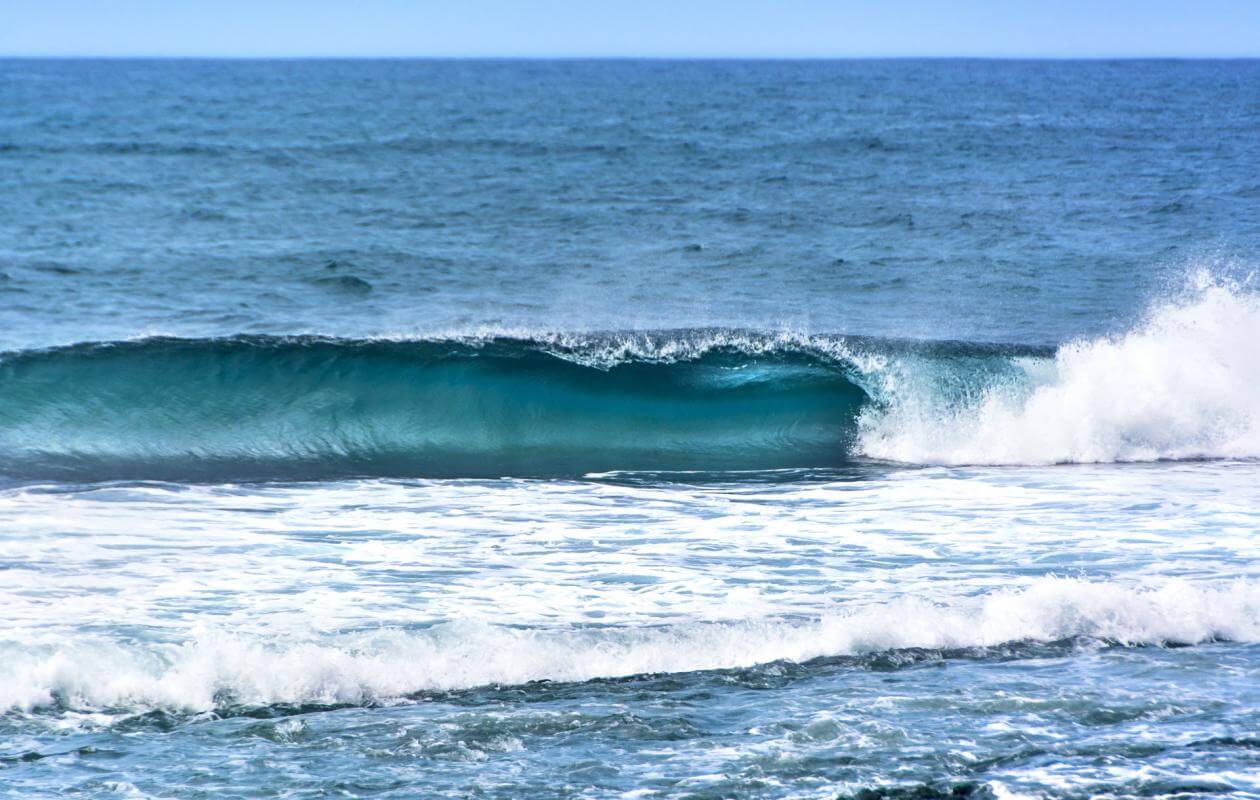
column 217, row 670
column 310, row 407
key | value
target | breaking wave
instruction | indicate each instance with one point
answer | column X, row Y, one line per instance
column 215, row 669
column 1183, row 384
column 261, row 407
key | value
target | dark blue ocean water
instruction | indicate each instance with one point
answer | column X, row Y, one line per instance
column 644, row 429
column 1025, row 202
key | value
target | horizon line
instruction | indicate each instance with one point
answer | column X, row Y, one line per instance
column 488, row 57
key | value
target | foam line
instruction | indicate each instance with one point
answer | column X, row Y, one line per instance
column 211, row 668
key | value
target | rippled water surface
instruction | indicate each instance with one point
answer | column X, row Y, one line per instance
column 639, row 430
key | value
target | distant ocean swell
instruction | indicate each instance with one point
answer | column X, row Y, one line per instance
column 1185, row 383
column 217, row 669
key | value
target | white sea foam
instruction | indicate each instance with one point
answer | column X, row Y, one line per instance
column 213, row 667
column 606, row 349
column 1183, row 384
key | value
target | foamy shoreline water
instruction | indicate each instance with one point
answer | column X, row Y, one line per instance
column 219, row 668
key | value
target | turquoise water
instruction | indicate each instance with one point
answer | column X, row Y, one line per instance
column 629, row 429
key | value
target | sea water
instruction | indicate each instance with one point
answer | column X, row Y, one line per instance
column 859, row 429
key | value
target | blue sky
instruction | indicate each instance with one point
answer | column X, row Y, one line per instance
column 656, row 28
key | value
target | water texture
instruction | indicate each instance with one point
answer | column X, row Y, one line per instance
column 872, row 429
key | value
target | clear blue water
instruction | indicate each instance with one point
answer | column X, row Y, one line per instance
column 629, row 429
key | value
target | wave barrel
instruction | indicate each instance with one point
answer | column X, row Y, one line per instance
column 306, row 408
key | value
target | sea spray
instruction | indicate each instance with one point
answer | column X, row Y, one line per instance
column 1183, row 384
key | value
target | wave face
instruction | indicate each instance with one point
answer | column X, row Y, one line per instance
column 245, row 408
column 218, row 669
column 1183, row 384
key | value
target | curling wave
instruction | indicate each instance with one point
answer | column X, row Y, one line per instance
column 215, row 669
column 260, row 407
column 1185, row 383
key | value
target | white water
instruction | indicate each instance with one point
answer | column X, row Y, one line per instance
column 1184, row 384
column 135, row 597
column 213, row 666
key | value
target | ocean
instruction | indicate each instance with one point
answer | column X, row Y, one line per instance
column 635, row 429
